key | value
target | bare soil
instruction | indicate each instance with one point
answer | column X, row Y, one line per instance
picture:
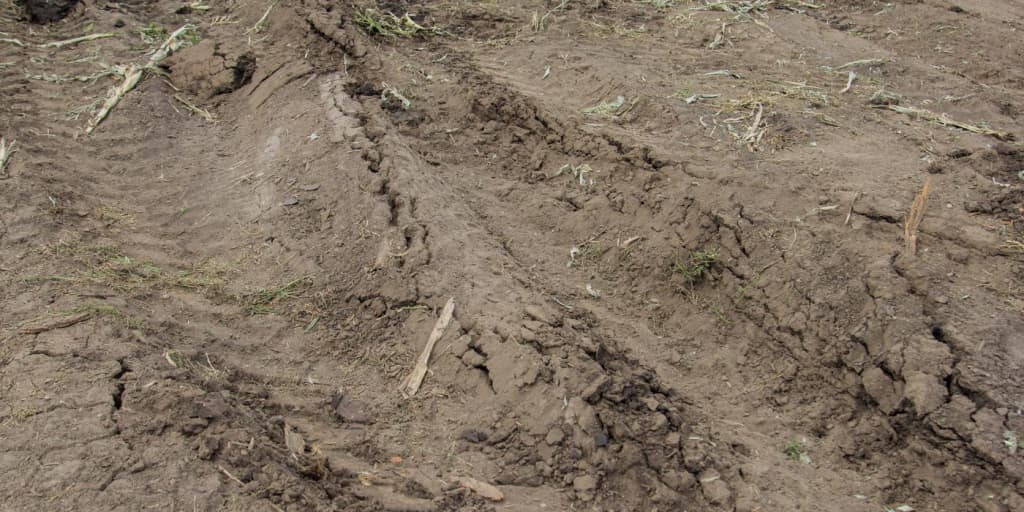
column 675, row 238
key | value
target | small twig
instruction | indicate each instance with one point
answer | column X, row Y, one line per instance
column 133, row 73
column 721, row 38
column 76, row 40
column 6, row 150
column 210, row 363
column 201, row 112
column 415, row 379
column 539, row 24
column 914, row 218
column 724, row 72
column 862, row 62
column 229, row 475
column 56, row 323
column 945, row 120
column 755, row 132
column 849, row 82
column 262, row 22
column 849, row 212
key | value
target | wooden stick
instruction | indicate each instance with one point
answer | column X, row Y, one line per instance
column 914, row 218
column 849, row 82
column 229, row 475
column 6, row 150
column 76, row 40
column 55, row 323
column 945, row 120
column 412, row 383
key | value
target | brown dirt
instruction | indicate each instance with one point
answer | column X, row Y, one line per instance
column 219, row 315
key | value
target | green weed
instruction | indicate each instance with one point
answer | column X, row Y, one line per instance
column 796, row 451
column 108, row 266
column 697, row 265
column 152, row 33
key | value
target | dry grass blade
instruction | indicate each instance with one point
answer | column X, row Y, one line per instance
column 262, row 22
column 756, row 131
column 862, row 62
column 721, row 38
column 945, row 120
column 111, row 71
column 849, row 82
column 914, row 218
column 537, row 22
column 6, row 150
column 49, row 324
column 173, row 43
column 76, row 40
column 1012, row 245
column 745, row 8
column 15, row 42
column 201, row 112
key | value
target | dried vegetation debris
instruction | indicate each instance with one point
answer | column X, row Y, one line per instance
column 397, row 164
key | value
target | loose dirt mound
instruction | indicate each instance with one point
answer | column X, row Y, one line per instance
column 673, row 232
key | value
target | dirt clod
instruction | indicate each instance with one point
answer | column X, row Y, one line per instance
column 210, row 68
column 48, row 11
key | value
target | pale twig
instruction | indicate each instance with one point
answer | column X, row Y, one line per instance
column 756, row 131
column 914, row 218
column 229, row 475
column 133, row 73
column 849, row 82
column 540, row 23
column 59, row 44
column 80, row 78
column 201, row 112
column 76, row 40
column 862, row 62
column 413, row 381
column 262, row 22
column 849, row 213
column 945, row 120
column 6, row 150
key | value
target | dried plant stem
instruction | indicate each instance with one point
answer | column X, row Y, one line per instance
column 76, row 40
column 945, row 120
column 6, row 150
column 133, row 73
column 914, row 218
